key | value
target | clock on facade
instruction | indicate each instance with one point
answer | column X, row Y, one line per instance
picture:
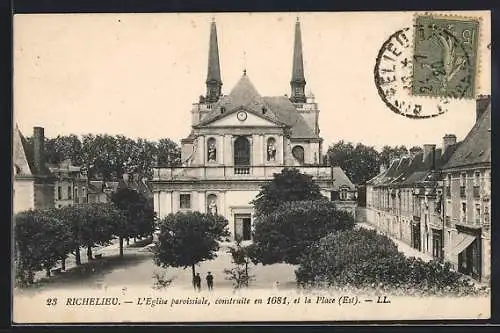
column 242, row 115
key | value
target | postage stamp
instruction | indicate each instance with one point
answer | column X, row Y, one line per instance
column 445, row 57
column 394, row 80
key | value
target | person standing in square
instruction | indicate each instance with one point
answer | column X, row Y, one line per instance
column 210, row 281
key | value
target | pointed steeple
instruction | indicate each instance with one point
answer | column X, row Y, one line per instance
column 298, row 81
column 214, row 82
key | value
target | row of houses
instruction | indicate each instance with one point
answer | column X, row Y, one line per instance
column 38, row 184
column 439, row 201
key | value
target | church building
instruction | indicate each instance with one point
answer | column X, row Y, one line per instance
column 239, row 141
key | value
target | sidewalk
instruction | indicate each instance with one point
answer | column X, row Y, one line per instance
column 104, row 251
column 406, row 249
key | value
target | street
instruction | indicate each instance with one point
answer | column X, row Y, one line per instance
column 137, row 268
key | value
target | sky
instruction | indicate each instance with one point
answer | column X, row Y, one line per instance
column 138, row 74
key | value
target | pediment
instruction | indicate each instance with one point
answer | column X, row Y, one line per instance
column 243, row 117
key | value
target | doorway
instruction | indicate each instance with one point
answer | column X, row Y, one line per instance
column 437, row 245
column 415, row 233
column 243, row 226
column 469, row 260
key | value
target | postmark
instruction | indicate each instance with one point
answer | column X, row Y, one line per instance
column 393, row 75
column 445, row 57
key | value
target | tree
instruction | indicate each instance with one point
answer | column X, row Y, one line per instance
column 415, row 150
column 107, row 154
column 360, row 162
column 98, row 224
column 362, row 258
column 89, row 225
column 389, row 153
column 186, row 239
column 41, row 240
column 284, row 235
column 289, row 185
column 73, row 221
column 168, row 153
column 139, row 216
column 239, row 274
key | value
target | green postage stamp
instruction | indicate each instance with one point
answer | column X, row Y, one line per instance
column 445, row 57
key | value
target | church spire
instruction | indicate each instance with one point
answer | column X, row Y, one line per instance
column 214, row 82
column 298, row 81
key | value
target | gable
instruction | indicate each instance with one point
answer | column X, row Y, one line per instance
column 252, row 120
column 20, row 158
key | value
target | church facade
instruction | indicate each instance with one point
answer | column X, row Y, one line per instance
column 239, row 141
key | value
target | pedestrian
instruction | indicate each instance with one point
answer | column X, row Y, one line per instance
column 210, row 281
column 197, row 282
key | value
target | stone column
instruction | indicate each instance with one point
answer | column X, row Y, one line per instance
column 201, row 148
column 233, row 138
column 263, row 149
column 157, row 204
column 194, row 201
column 220, row 149
column 221, row 202
column 175, row 201
column 227, row 150
column 202, row 201
column 166, row 204
column 256, row 154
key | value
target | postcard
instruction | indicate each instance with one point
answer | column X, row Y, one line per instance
column 250, row 167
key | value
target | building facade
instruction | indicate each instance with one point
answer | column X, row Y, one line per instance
column 33, row 183
column 438, row 201
column 467, row 199
column 238, row 141
column 70, row 186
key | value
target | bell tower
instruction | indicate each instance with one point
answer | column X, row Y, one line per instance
column 298, row 82
column 214, row 81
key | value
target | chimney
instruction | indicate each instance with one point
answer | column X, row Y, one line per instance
column 430, row 153
column 382, row 168
column 448, row 140
column 38, row 149
column 125, row 177
column 482, row 103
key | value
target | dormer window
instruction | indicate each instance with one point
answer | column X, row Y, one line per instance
column 222, row 109
column 264, row 110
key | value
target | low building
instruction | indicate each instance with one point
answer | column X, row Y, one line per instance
column 33, row 183
column 136, row 182
column 100, row 191
column 467, row 199
column 70, row 184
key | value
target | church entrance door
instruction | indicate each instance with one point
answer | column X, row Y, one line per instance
column 243, row 226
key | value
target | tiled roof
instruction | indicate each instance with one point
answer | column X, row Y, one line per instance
column 476, row 147
column 278, row 109
column 96, row 186
column 340, row 179
column 286, row 112
column 244, row 95
column 136, row 185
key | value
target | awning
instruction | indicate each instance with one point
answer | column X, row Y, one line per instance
column 461, row 243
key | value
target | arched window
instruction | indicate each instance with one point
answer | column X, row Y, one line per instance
column 298, row 154
column 271, row 149
column 242, row 155
column 211, row 150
